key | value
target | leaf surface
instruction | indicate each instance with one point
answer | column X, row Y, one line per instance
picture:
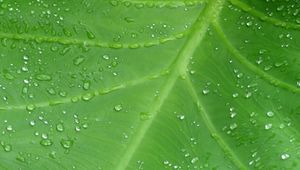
column 140, row 84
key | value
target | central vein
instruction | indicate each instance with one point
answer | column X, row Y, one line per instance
column 199, row 29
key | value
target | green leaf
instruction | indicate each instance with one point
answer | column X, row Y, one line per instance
column 141, row 84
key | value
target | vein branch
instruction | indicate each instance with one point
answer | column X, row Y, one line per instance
column 210, row 126
column 273, row 80
column 277, row 22
column 80, row 96
column 163, row 3
column 90, row 43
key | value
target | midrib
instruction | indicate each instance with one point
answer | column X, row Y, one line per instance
column 180, row 66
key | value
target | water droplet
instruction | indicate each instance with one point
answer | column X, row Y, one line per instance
column 205, row 91
column 285, row 156
column 181, row 117
column 114, row 2
column 7, row 147
column 270, row 114
column 105, row 57
column 51, row 91
column 235, row 95
column 144, row 116
column 52, row 154
column 90, row 35
column 248, row 95
column 60, row 127
column 194, row 160
column 66, row 143
column 78, row 60
column 128, row 19
column 9, row 128
column 85, row 125
column 86, row 85
column 298, row 83
column 43, row 77
column 46, row 142
column 233, row 126
column 8, row 76
column 118, row 107
column 32, row 123
column 268, row 126
column 87, row 97
column 77, row 129
column 30, row 107
column 233, row 114
column 249, row 23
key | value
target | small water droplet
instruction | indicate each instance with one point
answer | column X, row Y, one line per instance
column 87, row 97
column 144, row 116
column 181, row 117
column 9, row 128
column 285, row 156
column 194, row 160
column 268, row 126
column 66, row 143
column 78, row 60
column 205, row 91
column 7, row 147
column 60, row 127
column 118, row 107
column 270, row 114
column 46, row 142
column 30, row 107
column 43, row 77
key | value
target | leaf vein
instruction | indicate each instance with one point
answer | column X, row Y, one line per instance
column 215, row 134
column 90, row 43
column 243, row 60
column 179, row 67
column 277, row 22
column 93, row 93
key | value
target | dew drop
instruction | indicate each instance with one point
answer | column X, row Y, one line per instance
column 7, row 147
column 144, row 116
column 78, row 60
column 90, row 35
column 9, row 128
column 43, row 77
column 205, row 91
column 86, row 85
column 270, row 114
column 46, row 142
column 30, row 107
column 298, row 83
column 66, row 143
column 105, row 57
column 194, row 160
column 52, row 154
column 87, row 97
column 32, row 123
column 268, row 126
column 233, row 126
column 118, row 108
column 181, row 117
column 60, row 127
column 285, row 156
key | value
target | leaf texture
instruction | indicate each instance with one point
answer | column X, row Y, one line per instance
column 141, row 84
